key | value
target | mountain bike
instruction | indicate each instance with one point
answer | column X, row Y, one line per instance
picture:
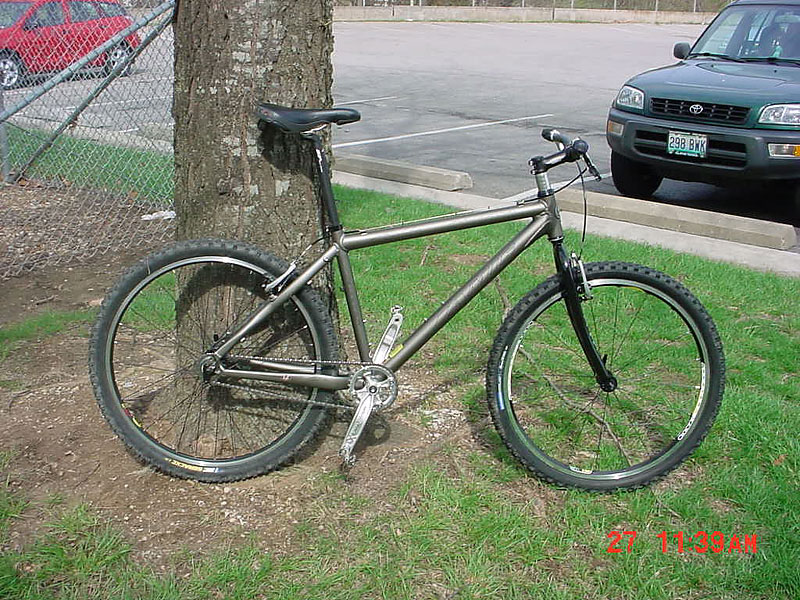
column 215, row 360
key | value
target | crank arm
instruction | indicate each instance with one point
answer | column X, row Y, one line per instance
column 363, row 412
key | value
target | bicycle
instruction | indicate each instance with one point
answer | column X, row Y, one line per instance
column 215, row 360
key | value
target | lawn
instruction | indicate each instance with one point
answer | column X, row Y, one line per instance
column 472, row 524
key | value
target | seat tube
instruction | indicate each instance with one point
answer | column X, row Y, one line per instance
column 326, row 191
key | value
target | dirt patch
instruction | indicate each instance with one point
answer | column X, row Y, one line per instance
column 63, row 451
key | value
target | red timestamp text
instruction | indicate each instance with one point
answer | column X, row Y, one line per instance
column 700, row 542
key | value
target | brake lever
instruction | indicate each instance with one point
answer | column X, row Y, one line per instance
column 592, row 169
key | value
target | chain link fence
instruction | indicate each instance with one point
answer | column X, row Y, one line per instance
column 85, row 129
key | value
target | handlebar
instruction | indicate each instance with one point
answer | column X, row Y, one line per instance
column 569, row 151
column 554, row 135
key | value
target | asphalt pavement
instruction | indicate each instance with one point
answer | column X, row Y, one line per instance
column 474, row 96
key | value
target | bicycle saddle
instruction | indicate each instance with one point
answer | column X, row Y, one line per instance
column 297, row 120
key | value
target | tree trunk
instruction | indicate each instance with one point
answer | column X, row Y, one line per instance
column 232, row 180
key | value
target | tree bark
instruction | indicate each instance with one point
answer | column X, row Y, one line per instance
column 233, row 180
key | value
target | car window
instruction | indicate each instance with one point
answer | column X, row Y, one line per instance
column 112, row 9
column 47, row 15
column 753, row 32
column 716, row 40
column 10, row 12
column 83, row 11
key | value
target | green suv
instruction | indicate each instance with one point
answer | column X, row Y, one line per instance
column 727, row 113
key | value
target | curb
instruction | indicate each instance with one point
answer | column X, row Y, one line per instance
column 395, row 170
column 733, row 228
column 761, row 258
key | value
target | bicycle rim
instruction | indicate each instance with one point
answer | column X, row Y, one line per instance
column 660, row 357
column 162, row 328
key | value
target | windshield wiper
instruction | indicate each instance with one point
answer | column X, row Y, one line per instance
column 714, row 55
column 772, row 60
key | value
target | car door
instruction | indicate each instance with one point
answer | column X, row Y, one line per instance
column 45, row 40
column 90, row 25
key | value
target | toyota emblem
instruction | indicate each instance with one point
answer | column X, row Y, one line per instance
column 696, row 109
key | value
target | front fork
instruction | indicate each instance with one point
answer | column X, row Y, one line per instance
column 572, row 277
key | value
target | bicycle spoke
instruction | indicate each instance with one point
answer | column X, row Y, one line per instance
column 567, row 428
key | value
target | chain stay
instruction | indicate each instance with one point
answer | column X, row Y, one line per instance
column 248, row 388
column 301, row 361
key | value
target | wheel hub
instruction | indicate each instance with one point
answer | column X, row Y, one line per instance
column 206, row 367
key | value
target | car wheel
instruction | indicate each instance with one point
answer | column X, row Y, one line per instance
column 632, row 178
column 794, row 199
column 12, row 71
column 117, row 55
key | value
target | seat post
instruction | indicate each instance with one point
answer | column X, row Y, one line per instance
column 324, row 175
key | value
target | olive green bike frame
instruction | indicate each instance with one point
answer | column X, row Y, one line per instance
column 545, row 220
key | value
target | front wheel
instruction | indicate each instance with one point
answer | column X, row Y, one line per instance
column 12, row 71
column 632, row 178
column 656, row 339
column 147, row 352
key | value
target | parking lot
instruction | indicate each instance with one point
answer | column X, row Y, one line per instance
column 464, row 96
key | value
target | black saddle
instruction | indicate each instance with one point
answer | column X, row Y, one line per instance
column 298, row 120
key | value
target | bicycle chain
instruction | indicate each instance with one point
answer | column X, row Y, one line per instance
column 248, row 388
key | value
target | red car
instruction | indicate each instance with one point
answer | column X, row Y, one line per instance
column 44, row 36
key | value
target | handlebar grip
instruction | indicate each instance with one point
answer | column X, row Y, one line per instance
column 554, row 135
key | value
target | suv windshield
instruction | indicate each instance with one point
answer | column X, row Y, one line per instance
column 10, row 12
column 753, row 33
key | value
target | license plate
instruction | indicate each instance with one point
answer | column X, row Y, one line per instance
column 687, row 144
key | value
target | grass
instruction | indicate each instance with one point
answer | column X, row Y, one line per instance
column 42, row 325
column 137, row 174
column 480, row 527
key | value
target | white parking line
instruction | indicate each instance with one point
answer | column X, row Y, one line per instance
column 531, row 192
column 110, row 102
column 348, row 102
column 438, row 131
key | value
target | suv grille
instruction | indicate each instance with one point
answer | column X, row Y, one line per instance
column 717, row 113
column 720, row 153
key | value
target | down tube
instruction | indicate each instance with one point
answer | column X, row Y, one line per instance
column 469, row 290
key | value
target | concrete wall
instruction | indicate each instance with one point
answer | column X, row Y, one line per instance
column 513, row 15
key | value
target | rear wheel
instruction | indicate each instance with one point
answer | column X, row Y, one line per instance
column 632, row 178
column 155, row 328
column 12, row 71
column 659, row 343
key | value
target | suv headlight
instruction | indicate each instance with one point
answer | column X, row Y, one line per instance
column 630, row 97
column 780, row 114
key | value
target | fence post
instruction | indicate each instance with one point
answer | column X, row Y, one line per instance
column 5, row 155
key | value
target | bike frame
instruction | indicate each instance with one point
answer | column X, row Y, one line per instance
column 545, row 220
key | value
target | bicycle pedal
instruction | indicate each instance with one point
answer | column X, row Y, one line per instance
column 389, row 336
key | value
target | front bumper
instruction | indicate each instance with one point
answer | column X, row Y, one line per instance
column 734, row 154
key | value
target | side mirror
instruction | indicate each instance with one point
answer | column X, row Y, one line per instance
column 681, row 50
column 31, row 24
